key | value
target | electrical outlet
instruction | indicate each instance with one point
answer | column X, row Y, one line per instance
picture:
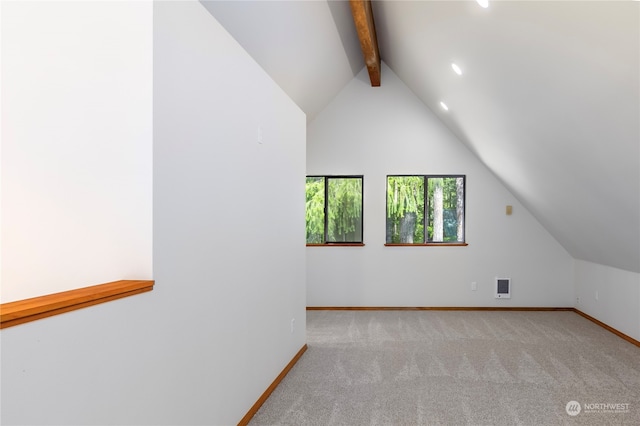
column 293, row 323
column 474, row 286
column 577, row 300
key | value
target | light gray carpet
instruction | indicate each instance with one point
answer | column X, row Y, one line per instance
column 456, row 368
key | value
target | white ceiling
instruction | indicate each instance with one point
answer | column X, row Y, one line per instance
column 549, row 98
column 310, row 48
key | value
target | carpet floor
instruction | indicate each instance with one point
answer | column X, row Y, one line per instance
column 457, row 368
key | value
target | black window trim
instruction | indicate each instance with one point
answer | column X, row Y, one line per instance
column 326, row 216
column 426, row 207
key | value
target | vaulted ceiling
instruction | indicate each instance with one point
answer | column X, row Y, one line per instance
column 548, row 99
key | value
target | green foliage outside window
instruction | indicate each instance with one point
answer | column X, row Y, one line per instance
column 315, row 210
column 408, row 202
column 405, row 209
column 334, row 209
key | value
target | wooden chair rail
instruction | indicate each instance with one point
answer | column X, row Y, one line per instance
column 21, row 311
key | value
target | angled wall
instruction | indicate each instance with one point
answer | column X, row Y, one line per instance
column 387, row 130
column 229, row 149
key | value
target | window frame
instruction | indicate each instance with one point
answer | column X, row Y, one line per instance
column 326, row 216
column 425, row 242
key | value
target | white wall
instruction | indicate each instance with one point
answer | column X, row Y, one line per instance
column 618, row 296
column 228, row 216
column 215, row 332
column 76, row 145
column 387, row 130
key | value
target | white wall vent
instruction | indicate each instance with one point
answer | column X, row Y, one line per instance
column 503, row 288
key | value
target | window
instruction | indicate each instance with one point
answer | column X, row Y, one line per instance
column 425, row 209
column 334, row 209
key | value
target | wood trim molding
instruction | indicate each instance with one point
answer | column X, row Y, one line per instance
column 432, row 308
column 22, row 311
column 608, row 327
column 252, row 412
column 366, row 29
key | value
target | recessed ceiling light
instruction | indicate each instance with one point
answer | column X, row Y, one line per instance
column 444, row 106
column 456, row 69
column 483, row 3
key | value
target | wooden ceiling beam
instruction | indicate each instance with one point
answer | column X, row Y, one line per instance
column 363, row 18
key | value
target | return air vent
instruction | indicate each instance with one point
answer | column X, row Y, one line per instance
column 503, row 288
